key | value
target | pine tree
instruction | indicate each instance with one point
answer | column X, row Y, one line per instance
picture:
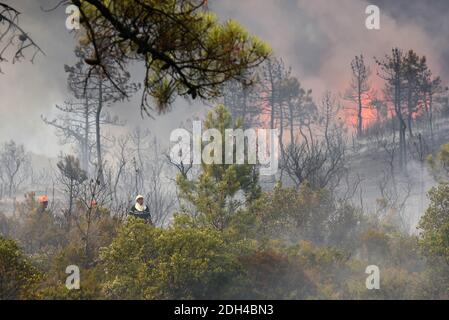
column 220, row 191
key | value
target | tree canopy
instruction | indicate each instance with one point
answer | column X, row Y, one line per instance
column 186, row 50
column 18, row 277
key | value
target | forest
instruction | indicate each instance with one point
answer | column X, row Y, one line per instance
column 363, row 176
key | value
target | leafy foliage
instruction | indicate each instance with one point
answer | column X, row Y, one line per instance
column 18, row 277
column 220, row 191
column 148, row 263
column 185, row 49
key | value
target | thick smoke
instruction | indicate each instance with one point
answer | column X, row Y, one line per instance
column 317, row 38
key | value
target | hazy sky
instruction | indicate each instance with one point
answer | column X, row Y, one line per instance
column 317, row 38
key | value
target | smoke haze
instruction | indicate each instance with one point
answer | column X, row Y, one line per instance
column 317, row 38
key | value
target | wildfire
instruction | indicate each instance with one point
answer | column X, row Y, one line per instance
column 369, row 112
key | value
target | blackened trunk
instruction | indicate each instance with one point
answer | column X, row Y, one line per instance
column 98, row 133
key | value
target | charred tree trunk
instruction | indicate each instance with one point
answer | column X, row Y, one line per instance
column 292, row 133
column 85, row 147
column 410, row 113
column 98, row 133
column 431, row 120
column 359, row 113
column 402, row 125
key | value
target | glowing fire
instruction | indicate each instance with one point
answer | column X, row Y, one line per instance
column 369, row 113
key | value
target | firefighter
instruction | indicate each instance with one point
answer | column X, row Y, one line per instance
column 140, row 210
column 43, row 203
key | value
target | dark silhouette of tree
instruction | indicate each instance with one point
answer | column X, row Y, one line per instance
column 318, row 155
column 359, row 88
column 81, row 120
column 392, row 71
column 14, row 41
column 415, row 72
column 273, row 73
column 411, row 89
column 244, row 99
column 14, row 165
column 71, row 177
column 296, row 101
column 433, row 91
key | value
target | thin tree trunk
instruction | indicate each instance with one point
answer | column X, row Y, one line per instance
column 281, row 140
column 272, row 95
column 69, row 213
column 402, row 125
column 431, row 120
column 359, row 115
column 245, row 124
column 292, row 138
column 86, row 137
column 98, row 133
column 410, row 114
